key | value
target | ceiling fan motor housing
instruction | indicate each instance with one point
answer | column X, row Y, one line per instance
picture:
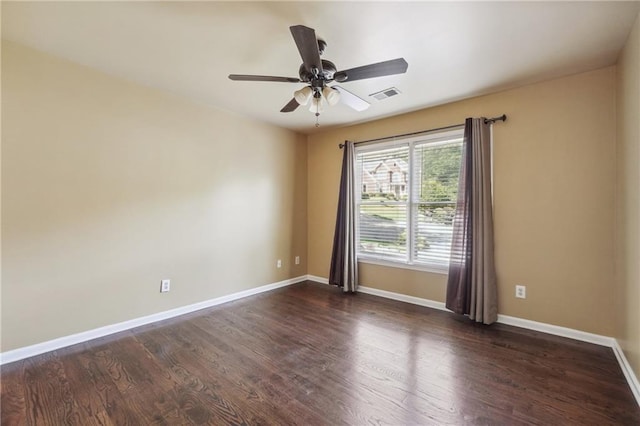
column 321, row 46
column 322, row 77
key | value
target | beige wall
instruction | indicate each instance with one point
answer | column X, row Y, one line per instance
column 628, row 198
column 554, row 199
column 108, row 187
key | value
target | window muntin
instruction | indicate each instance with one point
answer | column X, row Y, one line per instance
column 406, row 193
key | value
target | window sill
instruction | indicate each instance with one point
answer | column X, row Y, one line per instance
column 414, row 267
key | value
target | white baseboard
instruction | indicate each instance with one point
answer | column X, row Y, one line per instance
column 628, row 372
column 403, row 298
column 39, row 348
column 318, row 279
column 555, row 330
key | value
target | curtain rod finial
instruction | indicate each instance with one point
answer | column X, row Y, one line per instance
column 503, row 117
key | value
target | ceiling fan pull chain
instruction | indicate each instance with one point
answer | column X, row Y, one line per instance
column 317, row 115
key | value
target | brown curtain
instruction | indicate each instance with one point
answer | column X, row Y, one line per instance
column 471, row 285
column 344, row 265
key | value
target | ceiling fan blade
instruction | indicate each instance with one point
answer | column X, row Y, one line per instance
column 394, row 66
column 291, row 106
column 307, row 44
column 351, row 100
column 243, row 77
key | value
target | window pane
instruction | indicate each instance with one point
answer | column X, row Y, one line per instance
column 433, row 228
column 383, row 230
column 437, row 166
column 384, row 174
column 383, row 177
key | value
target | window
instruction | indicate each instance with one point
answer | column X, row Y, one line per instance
column 407, row 191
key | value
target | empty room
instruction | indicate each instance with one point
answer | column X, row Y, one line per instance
column 320, row 213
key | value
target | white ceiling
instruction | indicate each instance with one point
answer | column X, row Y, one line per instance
column 455, row 50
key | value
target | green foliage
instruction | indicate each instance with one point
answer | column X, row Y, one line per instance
column 440, row 169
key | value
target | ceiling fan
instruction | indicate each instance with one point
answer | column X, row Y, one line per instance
column 318, row 73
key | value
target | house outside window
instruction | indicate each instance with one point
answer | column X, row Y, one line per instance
column 407, row 192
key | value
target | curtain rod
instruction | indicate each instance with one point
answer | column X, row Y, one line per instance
column 503, row 117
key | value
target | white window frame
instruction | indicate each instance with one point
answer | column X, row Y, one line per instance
column 436, row 137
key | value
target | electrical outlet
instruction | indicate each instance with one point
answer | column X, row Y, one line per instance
column 297, row 260
column 165, row 286
column 279, row 263
column 521, row 292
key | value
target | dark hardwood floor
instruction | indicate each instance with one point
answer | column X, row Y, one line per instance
column 308, row 354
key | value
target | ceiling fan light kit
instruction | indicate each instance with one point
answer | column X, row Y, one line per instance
column 317, row 106
column 318, row 73
column 331, row 95
column 303, row 95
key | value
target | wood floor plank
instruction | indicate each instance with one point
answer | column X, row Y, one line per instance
column 12, row 398
column 209, row 400
column 145, row 388
column 229, row 363
column 280, row 352
column 308, row 354
column 94, row 390
column 47, row 393
column 294, row 349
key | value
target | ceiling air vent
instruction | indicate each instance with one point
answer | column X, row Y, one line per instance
column 386, row 93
